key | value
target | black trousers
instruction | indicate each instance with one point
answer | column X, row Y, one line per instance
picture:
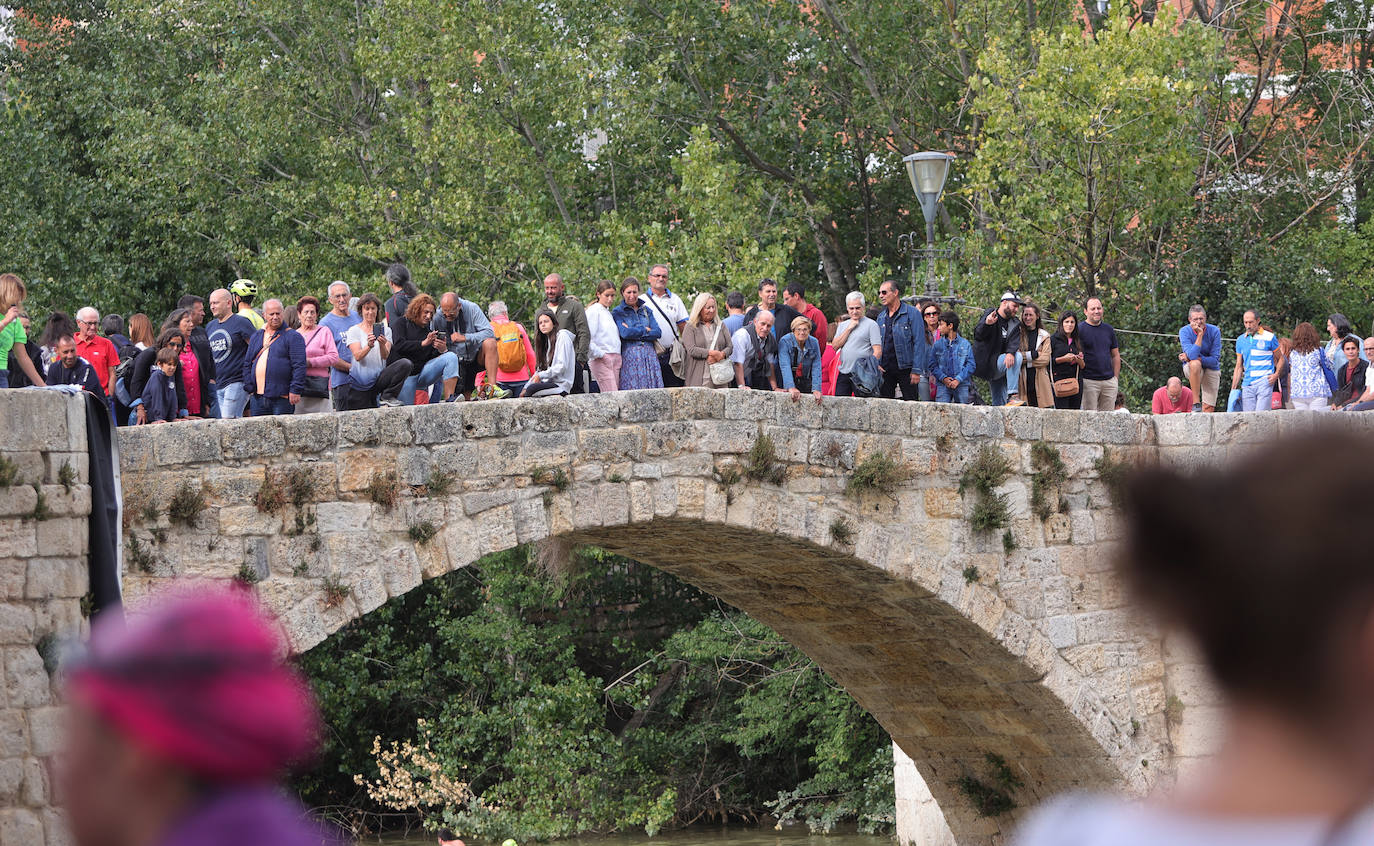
column 387, row 386
column 670, row 379
column 894, row 378
column 844, row 386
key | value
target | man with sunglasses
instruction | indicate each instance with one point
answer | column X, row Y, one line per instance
column 905, row 353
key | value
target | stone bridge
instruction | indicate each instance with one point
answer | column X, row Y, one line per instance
column 964, row 644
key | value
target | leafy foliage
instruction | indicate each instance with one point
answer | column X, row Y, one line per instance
column 615, row 697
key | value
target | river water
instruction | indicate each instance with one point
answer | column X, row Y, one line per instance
column 696, row 836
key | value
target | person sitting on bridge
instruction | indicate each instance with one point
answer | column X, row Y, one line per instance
column 180, row 723
column 1201, row 358
column 1287, row 631
column 1174, row 398
column 72, row 369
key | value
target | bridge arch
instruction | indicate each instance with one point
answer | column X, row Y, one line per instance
column 1034, row 658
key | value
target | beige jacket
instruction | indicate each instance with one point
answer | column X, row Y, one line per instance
column 697, row 340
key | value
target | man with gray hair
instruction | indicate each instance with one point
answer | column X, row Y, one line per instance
column 754, row 352
column 97, row 350
column 855, row 338
column 1201, row 358
column 338, row 321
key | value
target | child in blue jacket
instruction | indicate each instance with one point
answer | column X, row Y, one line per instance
column 953, row 366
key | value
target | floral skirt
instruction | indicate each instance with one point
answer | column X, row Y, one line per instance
column 639, row 366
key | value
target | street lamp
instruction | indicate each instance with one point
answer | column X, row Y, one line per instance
column 928, row 173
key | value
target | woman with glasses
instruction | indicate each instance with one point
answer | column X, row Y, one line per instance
column 930, row 315
column 169, row 338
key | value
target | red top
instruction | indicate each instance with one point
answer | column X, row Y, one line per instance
column 1161, row 404
column 100, row 352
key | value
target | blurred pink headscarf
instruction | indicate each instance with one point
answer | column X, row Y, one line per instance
column 201, row 680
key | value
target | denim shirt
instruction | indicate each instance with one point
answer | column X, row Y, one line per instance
column 908, row 338
column 636, row 324
column 952, row 359
column 810, row 360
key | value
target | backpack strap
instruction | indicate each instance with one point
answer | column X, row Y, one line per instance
column 671, row 323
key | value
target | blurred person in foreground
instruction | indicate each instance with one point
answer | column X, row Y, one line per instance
column 179, row 725
column 1286, row 628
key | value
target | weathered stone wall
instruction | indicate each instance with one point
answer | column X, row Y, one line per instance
column 1037, row 659
column 43, row 574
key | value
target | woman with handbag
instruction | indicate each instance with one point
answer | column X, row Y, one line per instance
column 1067, row 369
column 1037, row 387
column 708, row 347
column 320, row 354
column 1309, row 375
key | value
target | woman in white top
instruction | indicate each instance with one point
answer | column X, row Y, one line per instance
column 555, row 356
column 1284, row 622
column 856, row 337
column 371, row 381
column 603, row 355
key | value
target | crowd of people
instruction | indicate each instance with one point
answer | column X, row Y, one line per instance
column 240, row 356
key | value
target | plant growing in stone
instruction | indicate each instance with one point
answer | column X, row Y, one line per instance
column 554, row 477
column 988, row 470
column 140, row 557
column 1113, row 472
column 989, row 512
column 67, row 476
column 384, row 489
column 761, row 463
column 422, row 532
column 971, row 574
column 159, row 535
column 991, row 797
column 438, row 483
column 41, row 511
column 300, row 486
column 878, row 473
column 316, row 542
column 727, row 476
column 247, row 574
column 271, row 497
column 1049, row 474
column 1008, row 542
column 617, row 478
column 186, row 504
column 9, row 472
column 841, row 531
column 335, row 591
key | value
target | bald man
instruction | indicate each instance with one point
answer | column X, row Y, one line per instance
column 469, row 334
column 1174, row 398
column 274, row 366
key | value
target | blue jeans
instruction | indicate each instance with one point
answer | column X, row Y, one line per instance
column 4, row 378
column 438, row 369
column 268, row 406
column 232, row 399
column 959, row 394
column 1257, row 396
column 1006, row 381
column 212, row 402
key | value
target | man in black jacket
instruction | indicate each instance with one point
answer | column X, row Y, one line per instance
column 997, row 350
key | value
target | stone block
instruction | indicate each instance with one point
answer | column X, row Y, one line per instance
column 1059, row 425
column 63, row 536
column 981, row 422
column 68, row 503
column 751, row 405
column 26, row 680
column 1083, row 530
column 850, row 413
column 19, row 538
column 440, row 423
column 78, row 461
column 669, row 438
column 699, row 403
column 248, row 520
column 233, row 485
column 647, row 406
column 310, row 433
column 55, row 578
column 1245, row 428
column 255, row 437
column 622, row 444
column 401, row 569
column 890, row 417
column 594, row 411
column 45, row 422
column 802, row 412
column 1024, row 423
column 20, row 826
column 16, row 501
column 16, row 625
column 833, row 449
column 1107, row 428
column 544, row 416
column 790, row 444
column 36, row 788
column 14, row 736
column 1062, row 631
column 725, row 436
column 358, row 467
column 943, row 502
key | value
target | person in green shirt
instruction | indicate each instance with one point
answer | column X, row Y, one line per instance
column 12, row 293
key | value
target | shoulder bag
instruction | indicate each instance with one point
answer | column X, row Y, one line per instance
column 1067, row 387
column 722, row 372
column 677, row 358
column 316, row 387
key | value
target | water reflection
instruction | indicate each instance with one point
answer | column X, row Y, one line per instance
column 697, row 836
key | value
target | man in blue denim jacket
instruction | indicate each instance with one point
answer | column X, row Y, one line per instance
column 906, row 355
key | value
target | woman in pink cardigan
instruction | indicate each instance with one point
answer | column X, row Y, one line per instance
column 320, row 355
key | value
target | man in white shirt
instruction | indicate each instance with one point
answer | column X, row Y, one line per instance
column 671, row 314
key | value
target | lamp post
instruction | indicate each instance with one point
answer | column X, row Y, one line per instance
column 928, row 173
